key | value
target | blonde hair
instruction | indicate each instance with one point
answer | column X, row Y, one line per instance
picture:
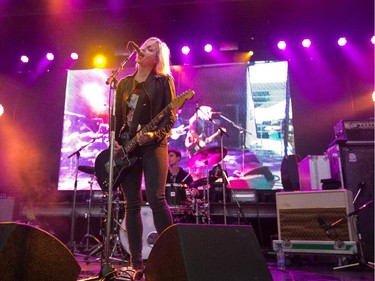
column 162, row 66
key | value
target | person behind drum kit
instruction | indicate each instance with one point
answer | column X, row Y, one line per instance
column 140, row 97
column 177, row 174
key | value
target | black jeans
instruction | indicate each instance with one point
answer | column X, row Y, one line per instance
column 153, row 163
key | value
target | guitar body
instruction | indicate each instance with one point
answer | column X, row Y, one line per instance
column 102, row 169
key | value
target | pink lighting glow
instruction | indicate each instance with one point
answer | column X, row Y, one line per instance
column 306, row 43
column 342, row 41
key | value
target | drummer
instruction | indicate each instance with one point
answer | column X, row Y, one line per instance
column 176, row 174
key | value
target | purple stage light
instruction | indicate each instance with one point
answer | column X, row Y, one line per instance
column 342, row 41
column 208, row 48
column 74, row 56
column 281, row 45
column 306, row 43
column 185, row 50
column 24, row 59
column 50, row 56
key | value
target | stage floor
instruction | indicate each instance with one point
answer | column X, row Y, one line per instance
column 299, row 268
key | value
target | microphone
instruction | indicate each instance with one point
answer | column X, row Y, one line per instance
column 135, row 47
column 324, row 226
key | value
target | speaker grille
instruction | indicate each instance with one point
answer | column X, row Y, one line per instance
column 303, row 224
column 28, row 253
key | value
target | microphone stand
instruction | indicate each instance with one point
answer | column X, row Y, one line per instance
column 108, row 270
column 222, row 133
column 242, row 132
column 361, row 256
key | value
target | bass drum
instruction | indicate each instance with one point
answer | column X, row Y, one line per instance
column 149, row 233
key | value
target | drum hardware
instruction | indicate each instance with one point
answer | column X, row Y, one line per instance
column 72, row 244
column 88, row 214
column 207, row 157
column 116, row 251
column 116, row 248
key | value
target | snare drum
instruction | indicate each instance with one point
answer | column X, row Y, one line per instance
column 149, row 233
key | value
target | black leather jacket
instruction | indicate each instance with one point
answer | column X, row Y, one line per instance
column 156, row 93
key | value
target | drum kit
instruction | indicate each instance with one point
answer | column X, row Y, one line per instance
column 187, row 202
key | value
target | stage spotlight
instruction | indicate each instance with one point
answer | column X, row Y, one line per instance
column 1, row 110
column 50, row 56
column 373, row 39
column 185, row 50
column 342, row 41
column 74, row 56
column 100, row 61
column 281, row 45
column 24, row 59
column 373, row 96
column 208, row 48
column 306, row 43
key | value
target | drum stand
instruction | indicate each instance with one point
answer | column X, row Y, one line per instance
column 117, row 253
column 72, row 244
column 206, row 199
column 88, row 235
column 117, row 248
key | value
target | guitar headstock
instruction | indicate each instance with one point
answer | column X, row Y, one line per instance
column 179, row 101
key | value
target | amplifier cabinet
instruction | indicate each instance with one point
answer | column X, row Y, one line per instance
column 354, row 130
column 307, row 215
column 353, row 165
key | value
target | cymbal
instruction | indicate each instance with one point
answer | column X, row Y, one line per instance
column 198, row 182
column 87, row 169
column 209, row 156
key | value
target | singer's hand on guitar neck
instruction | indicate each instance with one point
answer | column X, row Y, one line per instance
column 117, row 149
column 143, row 138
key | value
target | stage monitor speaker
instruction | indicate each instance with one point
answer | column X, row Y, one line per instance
column 303, row 215
column 29, row 253
column 190, row 252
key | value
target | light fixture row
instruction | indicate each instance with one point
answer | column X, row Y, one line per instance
column 185, row 50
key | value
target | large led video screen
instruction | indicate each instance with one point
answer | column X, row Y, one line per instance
column 250, row 100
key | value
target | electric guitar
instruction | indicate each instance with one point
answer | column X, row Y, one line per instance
column 194, row 143
column 179, row 131
column 102, row 165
